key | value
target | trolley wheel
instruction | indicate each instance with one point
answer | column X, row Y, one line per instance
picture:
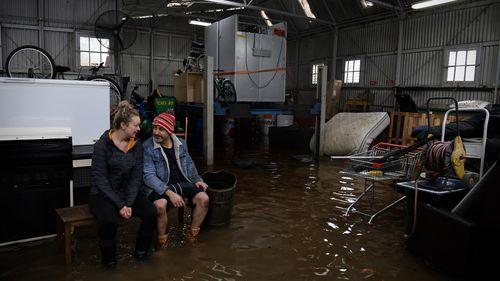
column 115, row 93
column 30, row 62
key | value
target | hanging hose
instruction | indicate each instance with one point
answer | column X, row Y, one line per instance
column 435, row 160
column 415, row 201
column 440, row 157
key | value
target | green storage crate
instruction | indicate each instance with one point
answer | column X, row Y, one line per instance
column 163, row 104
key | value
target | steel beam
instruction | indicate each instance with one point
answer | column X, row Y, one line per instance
column 258, row 8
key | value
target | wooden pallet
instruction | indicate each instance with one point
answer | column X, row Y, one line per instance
column 403, row 123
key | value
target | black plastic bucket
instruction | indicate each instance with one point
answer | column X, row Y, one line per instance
column 220, row 190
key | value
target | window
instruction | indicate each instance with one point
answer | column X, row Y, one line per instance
column 315, row 72
column 352, row 70
column 461, row 65
column 92, row 52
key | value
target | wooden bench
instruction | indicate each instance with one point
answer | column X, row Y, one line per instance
column 67, row 219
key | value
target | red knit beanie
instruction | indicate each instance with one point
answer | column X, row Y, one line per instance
column 166, row 121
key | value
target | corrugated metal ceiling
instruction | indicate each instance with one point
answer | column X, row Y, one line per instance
column 328, row 12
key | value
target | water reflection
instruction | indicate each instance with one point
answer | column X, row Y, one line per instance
column 288, row 223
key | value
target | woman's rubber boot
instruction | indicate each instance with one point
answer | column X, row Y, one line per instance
column 142, row 245
column 108, row 256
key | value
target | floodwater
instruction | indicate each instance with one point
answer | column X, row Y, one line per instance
column 288, row 223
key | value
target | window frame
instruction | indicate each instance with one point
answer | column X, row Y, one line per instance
column 361, row 65
column 105, row 70
column 446, row 66
column 315, row 75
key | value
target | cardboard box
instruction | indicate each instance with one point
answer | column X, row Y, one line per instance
column 188, row 87
column 333, row 95
column 199, row 93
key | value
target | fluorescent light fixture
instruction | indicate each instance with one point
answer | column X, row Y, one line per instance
column 366, row 3
column 306, row 8
column 266, row 18
column 429, row 3
column 180, row 4
column 149, row 16
column 197, row 22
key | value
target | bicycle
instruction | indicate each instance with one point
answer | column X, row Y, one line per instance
column 194, row 61
column 224, row 91
column 34, row 62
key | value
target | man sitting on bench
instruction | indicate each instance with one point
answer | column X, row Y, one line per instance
column 170, row 177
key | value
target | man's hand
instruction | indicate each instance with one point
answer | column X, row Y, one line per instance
column 176, row 200
column 201, row 185
column 126, row 212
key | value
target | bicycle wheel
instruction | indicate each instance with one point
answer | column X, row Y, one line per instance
column 229, row 93
column 30, row 62
column 115, row 93
column 200, row 62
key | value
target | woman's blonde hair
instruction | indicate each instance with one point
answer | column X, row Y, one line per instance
column 124, row 113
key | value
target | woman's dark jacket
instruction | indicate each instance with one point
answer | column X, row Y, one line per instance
column 117, row 174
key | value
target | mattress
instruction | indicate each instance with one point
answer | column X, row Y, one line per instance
column 349, row 133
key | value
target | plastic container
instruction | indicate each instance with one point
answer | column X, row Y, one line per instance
column 268, row 120
column 283, row 120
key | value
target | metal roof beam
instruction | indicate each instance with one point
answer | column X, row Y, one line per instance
column 258, row 8
column 386, row 5
column 292, row 23
column 329, row 12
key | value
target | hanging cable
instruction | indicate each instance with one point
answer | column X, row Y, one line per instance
column 435, row 160
column 246, row 63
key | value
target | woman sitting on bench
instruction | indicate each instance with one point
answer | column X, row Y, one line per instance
column 116, row 180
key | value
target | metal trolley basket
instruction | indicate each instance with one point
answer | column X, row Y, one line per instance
column 384, row 162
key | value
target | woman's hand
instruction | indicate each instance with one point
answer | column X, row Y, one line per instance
column 126, row 212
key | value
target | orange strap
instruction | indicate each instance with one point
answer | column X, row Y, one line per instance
column 250, row 72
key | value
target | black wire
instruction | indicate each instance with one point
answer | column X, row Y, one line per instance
column 246, row 64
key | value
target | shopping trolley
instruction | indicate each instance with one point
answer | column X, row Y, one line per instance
column 385, row 162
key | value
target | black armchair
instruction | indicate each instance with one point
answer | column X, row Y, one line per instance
column 465, row 241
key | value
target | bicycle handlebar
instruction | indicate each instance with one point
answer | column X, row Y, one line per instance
column 96, row 68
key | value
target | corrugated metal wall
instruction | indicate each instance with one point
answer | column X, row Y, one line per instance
column 14, row 37
column 61, row 13
column 426, row 38
column 301, row 55
column 380, row 37
column 60, row 46
column 448, row 28
column 379, row 69
column 20, row 12
column 61, row 21
column 422, row 68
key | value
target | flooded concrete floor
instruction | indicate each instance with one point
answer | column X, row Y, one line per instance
column 288, row 223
